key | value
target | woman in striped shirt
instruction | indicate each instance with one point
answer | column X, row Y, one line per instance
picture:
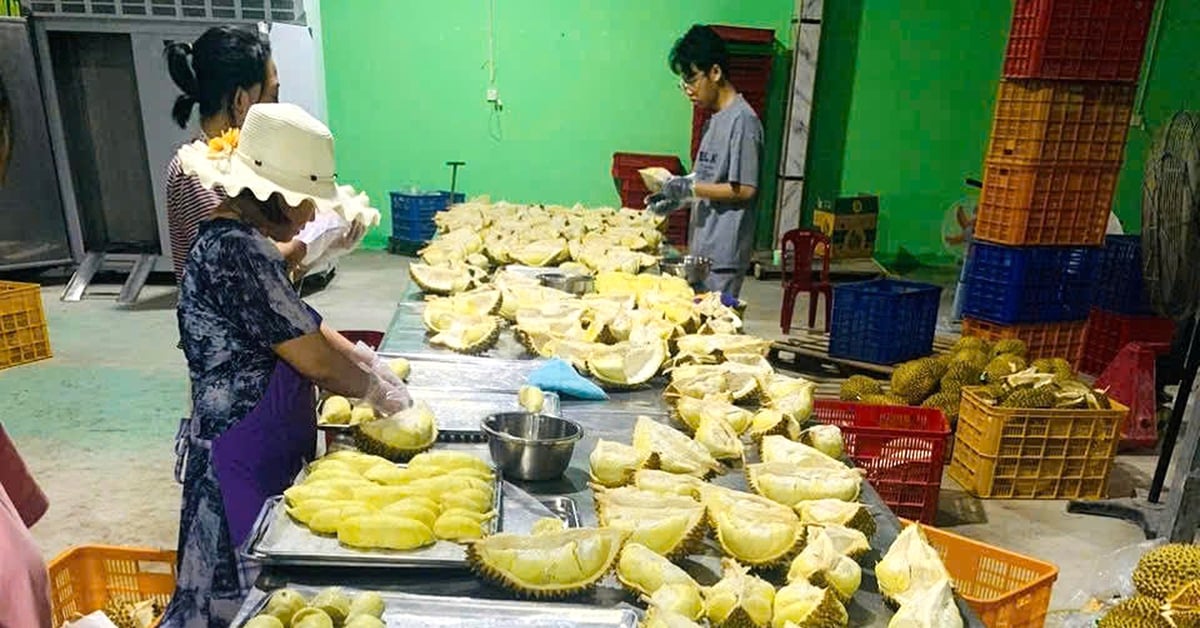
column 224, row 72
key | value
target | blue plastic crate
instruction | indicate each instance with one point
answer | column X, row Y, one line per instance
column 1039, row 284
column 883, row 321
column 411, row 231
column 1120, row 287
column 422, row 204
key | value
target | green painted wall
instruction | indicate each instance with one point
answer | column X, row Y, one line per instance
column 904, row 100
column 406, row 80
column 1172, row 83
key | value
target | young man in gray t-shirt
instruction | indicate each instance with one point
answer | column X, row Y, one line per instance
column 724, row 184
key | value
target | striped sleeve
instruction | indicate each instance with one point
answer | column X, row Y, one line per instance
column 188, row 204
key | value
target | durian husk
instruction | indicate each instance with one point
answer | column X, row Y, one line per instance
column 521, row 584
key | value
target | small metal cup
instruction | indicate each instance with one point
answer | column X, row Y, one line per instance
column 531, row 447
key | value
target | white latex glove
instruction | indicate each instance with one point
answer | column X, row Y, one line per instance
column 369, row 361
column 386, row 397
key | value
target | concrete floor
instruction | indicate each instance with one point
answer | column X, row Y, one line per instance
column 96, row 425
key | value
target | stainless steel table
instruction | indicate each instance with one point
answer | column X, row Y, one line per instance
column 612, row 419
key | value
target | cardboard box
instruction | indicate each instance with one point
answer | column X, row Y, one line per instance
column 851, row 225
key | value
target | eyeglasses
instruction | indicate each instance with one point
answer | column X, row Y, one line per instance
column 685, row 83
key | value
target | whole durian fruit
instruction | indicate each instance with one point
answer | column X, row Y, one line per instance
column 960, row 374
column 858, row 386
column 1013, row 346
column 1138, row 611
column 884, row 400
column 1164, row 570
column 1029, row 397
column 971, row 342
column 1002, row 366
column 977, row 358
column 945, row 401
column 914, row 381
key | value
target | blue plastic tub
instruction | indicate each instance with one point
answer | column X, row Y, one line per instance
column 1039, row 284
column 1119, row 284
column 883, row 321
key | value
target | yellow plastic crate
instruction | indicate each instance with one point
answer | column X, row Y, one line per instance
column 23, row 334
column 1030, row 453
column 83, row 579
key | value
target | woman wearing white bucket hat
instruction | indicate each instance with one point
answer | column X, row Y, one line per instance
column 254, row 349
column 223, row 73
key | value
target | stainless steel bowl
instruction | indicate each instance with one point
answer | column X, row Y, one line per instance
column 531, row 447
column 692, row 268
column 573, row 284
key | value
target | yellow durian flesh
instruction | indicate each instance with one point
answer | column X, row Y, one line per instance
column 448, row 460
column 451, row 526
column 549, row 565
column 657, row 481
column 909, row 567
column 380, row 531
column 750, row 528
column 663, row 523
column 837, row 512
column 400, row 436
column 790, row 484
column 643, row 570
column 663, row 618
column 334, row 601
column 846, row 541
column 311, row 618
column 719, row 438
column 613, row 464
column 739, row 598
column 677, row 453
column 328, row 520
column 679, row 598
column 416, row 508
column 548, row 525
column 803, row 604
column 777, row 448
column 821, row 564
column 933, row 607
column 335, row 411
column 825, row 438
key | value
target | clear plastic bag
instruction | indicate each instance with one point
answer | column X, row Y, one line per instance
column 1113, row 581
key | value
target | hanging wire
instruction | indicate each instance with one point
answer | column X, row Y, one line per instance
column 1171, row 218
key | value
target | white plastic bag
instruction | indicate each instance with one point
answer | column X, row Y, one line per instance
column 324, row 237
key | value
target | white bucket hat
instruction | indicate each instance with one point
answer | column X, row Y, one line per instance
column 280, row 148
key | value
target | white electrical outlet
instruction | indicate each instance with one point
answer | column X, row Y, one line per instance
column 493, row 94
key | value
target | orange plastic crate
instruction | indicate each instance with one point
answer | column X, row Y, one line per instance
column 23, row 334
column 84, row 578
column 1062, row 123
column 1043, row 340
column 1005, row 589
column 1033, row 453
column 1045, row 204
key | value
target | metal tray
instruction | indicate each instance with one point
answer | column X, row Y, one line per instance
column 276, row 539
column 461, row 411
column 564, row 508
column 409, row 610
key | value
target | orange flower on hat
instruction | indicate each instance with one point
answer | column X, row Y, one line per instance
column 224, row 144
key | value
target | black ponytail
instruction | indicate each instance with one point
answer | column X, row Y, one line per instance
column 179, row 65
column 210, row 71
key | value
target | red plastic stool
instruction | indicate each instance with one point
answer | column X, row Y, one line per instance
column 1129, row 378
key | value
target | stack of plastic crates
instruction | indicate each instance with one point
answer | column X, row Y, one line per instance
column 1121, row 312
column 412, row 217
column 1055, row 152
column 633, row 190
column 1034, row 453
column 883, row 321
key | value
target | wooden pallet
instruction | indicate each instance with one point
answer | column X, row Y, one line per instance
column 808, row 353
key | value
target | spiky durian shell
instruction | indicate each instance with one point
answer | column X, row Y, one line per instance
column 499, row 578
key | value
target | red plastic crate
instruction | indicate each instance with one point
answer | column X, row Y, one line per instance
column 1078, row 40
column 744, row 34
column 1108, row 332
column 901, row 448
column 1130, row 379
column 1045, row 204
